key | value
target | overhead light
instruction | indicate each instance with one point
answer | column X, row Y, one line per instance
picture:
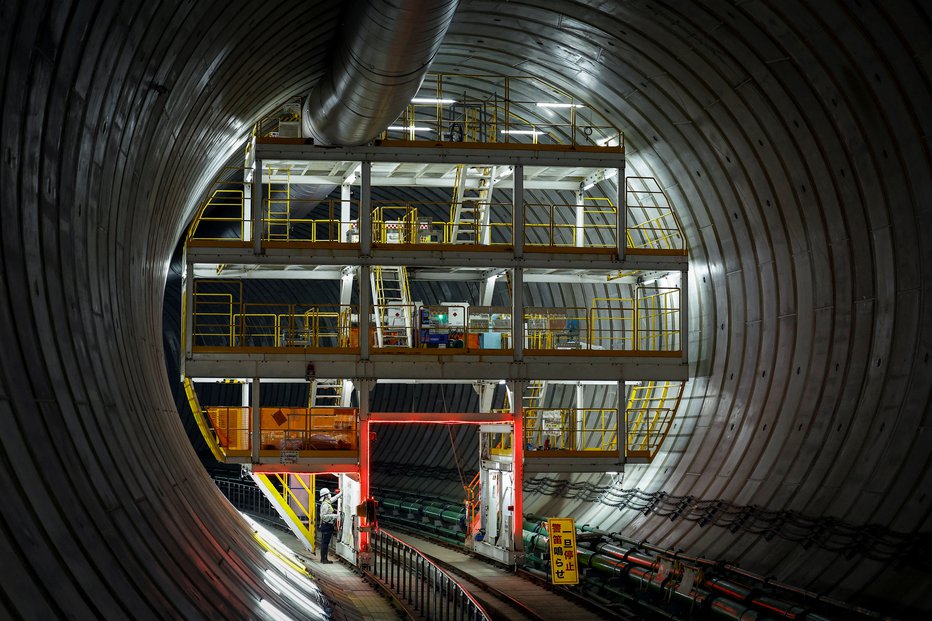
column 399, row 128
column 559, row 105
column 588, row 186
column 604, row 142
column 432, row 100
column 522, row 132
column 611, row 173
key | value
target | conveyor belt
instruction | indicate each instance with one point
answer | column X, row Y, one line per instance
column 503, row 594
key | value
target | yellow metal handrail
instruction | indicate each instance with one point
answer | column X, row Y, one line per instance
column 295, row 503
column 394, row 224
column 571, row 429
column 225, row 195
column 650, row 412
column 454, row 115
column 284, row 428
column 321, row 224
column 652, row 223
column 222, row 320
column 554, row 225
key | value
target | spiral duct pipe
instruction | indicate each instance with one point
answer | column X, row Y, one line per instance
column 378, row 67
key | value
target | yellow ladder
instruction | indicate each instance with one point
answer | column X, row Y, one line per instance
column 278, row 206
column 292, row 495
column 393, row 311
column 469, row 212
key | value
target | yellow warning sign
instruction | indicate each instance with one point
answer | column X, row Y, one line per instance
column 564, row 567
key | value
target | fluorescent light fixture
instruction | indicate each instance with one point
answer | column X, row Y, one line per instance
column 559, row 105
column 432, row 100
column 522, row 132
column 604, row 142
column 588, row 186
column 409, row 128
column 613, row 172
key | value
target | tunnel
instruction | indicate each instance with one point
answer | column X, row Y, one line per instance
column 791, row 137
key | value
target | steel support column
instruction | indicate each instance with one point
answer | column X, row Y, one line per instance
column 517, row 313
column 517, row 212
column 365, row 462
column 365, row 209
column 257, row 207
column 621, row 424
column 621, row 210
column 365, row 318
column 580, row 419
column 255, row 415
column 580, row 236
column 517, row 451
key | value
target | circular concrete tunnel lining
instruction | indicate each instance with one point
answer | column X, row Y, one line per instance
column 793, row 156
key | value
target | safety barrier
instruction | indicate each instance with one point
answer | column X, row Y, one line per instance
column 570, row 225
column 648, row 322
column 652, row 223
column 433, row 593
column 221, row 319
column 444, row 110
column 650, row 412
column 292, row 496
column 571, row 429
column 222, row 216
column 283, row 429
column 309, row 220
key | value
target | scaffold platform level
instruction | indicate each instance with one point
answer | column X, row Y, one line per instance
column 237, row 252
column 431, row 365
column 499, row 154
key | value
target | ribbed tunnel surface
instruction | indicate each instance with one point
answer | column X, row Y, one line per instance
column 792, row 138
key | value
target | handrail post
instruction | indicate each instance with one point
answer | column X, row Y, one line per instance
column 518, row 215
column 257, row 232
column 621, row 212
column 255, row 419
column 365, row 209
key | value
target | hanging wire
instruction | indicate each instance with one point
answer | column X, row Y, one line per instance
column 456, row 459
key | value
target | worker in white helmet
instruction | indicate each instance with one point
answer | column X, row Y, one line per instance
column 328, row 521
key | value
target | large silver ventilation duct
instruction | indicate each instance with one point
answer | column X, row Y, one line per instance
column 377, row 69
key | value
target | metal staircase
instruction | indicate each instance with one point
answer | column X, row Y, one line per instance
column 293, row 496
column 393, row 310
column 471, row 205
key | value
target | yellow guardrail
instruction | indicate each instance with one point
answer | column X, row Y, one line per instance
column 444, row 110
column 571, row 429
column 224, row 206
column 201, row 419
column 652, row 224
column 555, row 225
column 223, row 320
column 650, row 412
column 293, row 496
column 283, row 429
column 307, row 220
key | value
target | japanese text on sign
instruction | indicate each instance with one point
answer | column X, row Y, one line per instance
column 564, row 568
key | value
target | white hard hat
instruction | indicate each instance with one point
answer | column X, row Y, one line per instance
column 324, row 492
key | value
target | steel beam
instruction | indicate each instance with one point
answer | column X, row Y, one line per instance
column 427, row 256
column 421, row 366
column 449, row 153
